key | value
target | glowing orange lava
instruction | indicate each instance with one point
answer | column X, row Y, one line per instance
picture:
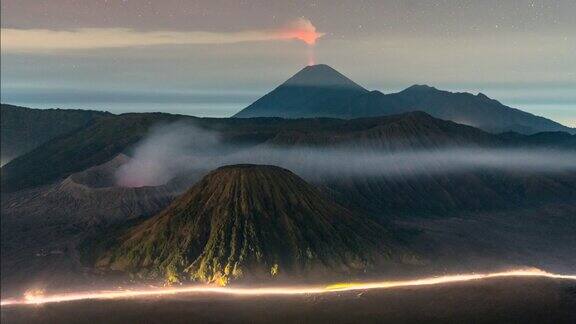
column 35, row 298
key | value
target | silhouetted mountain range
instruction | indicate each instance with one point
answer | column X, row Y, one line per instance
column 321, row 91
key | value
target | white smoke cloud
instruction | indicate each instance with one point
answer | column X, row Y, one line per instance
column 34, row 40
column 334, row 162
column 165, row 153
column 180, row 148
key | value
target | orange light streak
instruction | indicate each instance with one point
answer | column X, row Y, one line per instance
column 35, row 299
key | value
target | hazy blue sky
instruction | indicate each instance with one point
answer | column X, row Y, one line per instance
column 211, row 58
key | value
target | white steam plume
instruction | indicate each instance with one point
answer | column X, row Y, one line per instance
column 40, row 40
column 165, row 153
column 179, row 148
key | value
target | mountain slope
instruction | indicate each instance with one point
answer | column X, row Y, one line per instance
column 92, row 145
column 413, row 130
column 252, row 222
column 41, row 227
column 465, row 108
column 428, row 191
column 109, row 136
column 315, row 91
column 320, row 97
column 23, row 129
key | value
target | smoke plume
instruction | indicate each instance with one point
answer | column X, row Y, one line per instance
column 178, row 149
column 38, row 40
column 166, row 152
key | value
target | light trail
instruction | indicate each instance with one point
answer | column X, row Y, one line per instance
column 35, row 299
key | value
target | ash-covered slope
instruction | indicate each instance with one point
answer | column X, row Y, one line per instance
column 90, row 196
column 42, row 227
column 253, row 222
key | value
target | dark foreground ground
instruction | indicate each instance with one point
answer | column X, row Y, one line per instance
column 518, row 300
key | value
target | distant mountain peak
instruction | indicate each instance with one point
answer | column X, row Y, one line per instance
column 315, row 91
column 321, row 75
column 321, row 91
column 483, row 96
column 420, row 88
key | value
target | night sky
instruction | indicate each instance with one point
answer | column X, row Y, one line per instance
column 212, row 58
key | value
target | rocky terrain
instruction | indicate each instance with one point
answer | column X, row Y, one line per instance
column 254, row 222
column 42, row 228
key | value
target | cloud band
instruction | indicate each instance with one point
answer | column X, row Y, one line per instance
column 32, row 40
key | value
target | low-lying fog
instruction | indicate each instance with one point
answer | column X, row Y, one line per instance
column 179, row 148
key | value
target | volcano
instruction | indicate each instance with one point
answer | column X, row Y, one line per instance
column 253, row 223
column 315, row 91
column 321, row 91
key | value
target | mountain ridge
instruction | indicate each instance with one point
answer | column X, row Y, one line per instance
column 23, row 129
column 101, row 141
column 320, row 99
